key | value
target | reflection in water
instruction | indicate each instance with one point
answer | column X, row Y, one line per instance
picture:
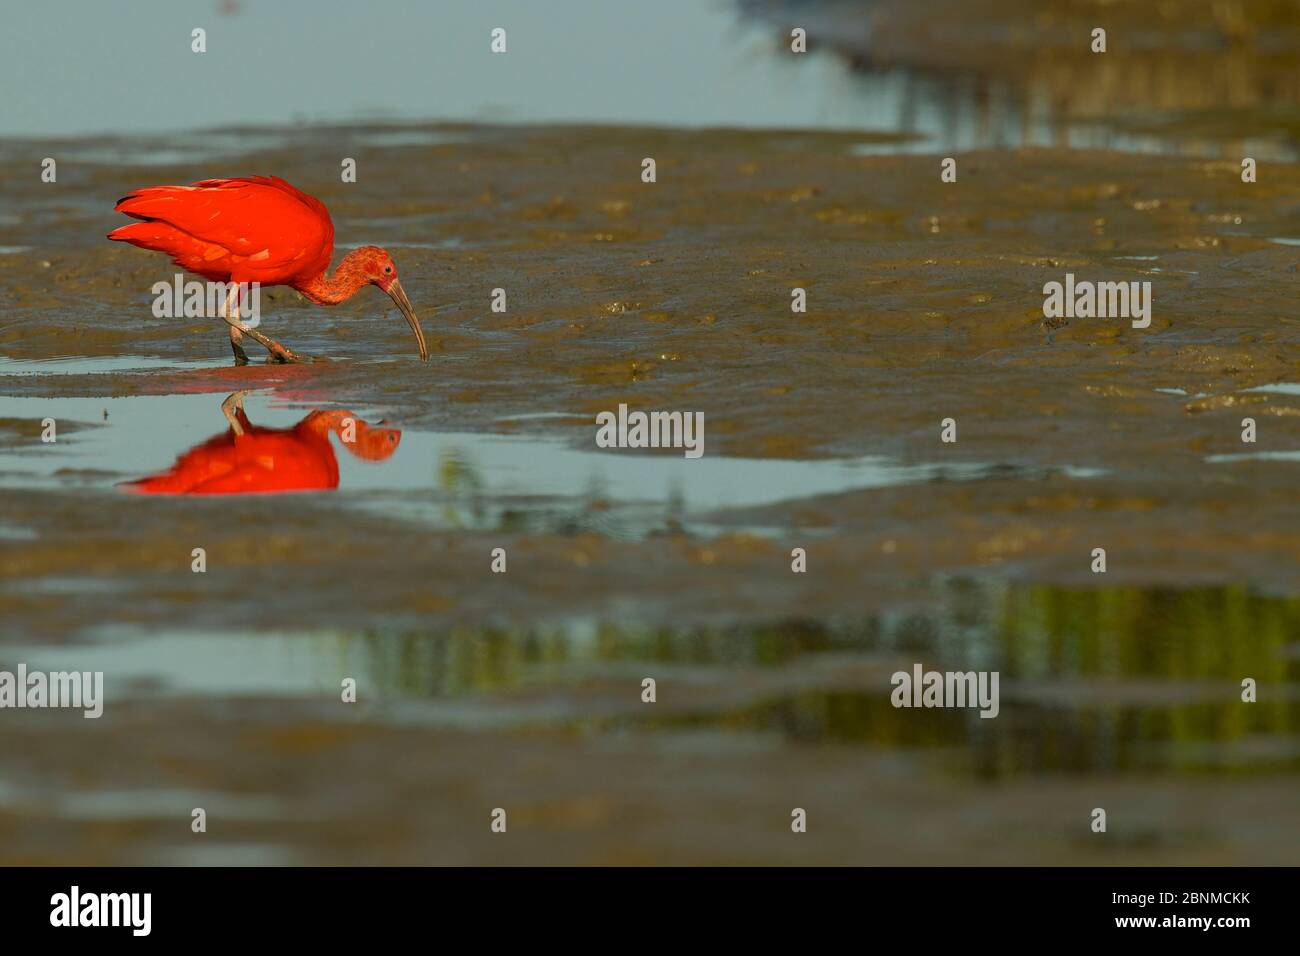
column 1116, row 679
column 1114, row 696
column 523, row 484
column 1092, row 680
column 247, row 458
column 1180, row 76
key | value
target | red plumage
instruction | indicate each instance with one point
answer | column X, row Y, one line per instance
column 251, row 229
column 258, row 459
column 258, row 229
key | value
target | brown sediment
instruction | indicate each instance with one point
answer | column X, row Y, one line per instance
column 924, row 302
column 920, row 293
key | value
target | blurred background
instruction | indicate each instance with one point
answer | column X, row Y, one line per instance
column 776, row 170
column 1178, row 75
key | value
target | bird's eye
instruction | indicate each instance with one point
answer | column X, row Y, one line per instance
column 387, row 269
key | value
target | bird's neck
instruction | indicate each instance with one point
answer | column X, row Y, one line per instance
column 322, row 422
column 331, row 290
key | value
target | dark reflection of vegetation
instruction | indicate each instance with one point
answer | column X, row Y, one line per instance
column 1178, row 75
column 1116, row 679
column 463, row 500
column 461, row 490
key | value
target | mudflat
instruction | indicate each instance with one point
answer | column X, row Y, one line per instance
column 522, row 690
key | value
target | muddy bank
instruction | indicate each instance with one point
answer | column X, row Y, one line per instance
column 609, row 799
column 822, row 432
column 925, row 302
column 1215, row 79
column 923, row 297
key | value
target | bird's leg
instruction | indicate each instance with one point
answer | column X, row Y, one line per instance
column 280, row 353
column 236, row 333
column 233, row 409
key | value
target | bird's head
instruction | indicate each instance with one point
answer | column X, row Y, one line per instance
column 378, row 268
column 374, row 443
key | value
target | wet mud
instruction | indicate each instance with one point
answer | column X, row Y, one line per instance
column 822, row 431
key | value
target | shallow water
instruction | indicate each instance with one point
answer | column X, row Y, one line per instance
column 464, row 480
column 1108, row 698
column 97, row 365
column 1143, row 672
column 1185, row 77
column 478, row 689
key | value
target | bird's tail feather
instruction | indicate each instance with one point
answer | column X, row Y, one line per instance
column 146, row 235
column 152, row 202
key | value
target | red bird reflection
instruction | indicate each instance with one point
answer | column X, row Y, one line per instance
column 248, row 459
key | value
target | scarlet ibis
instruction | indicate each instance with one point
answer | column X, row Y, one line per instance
column 248, row 458
column 257, row 229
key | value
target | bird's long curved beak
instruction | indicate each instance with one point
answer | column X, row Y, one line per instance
column 398, row 295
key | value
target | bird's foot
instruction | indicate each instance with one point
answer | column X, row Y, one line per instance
column 278, row 352
column 283, row 356
column 241, row 357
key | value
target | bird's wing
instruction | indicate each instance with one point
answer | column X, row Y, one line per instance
column 267, row 228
